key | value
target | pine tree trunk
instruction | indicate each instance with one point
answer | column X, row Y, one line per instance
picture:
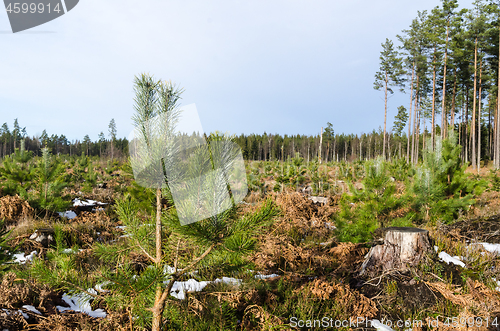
column 433, row 100
column 497, row 135
column 443, row 110
column 327, row 151
column 417, row 147
column 466, row 124
column 479, row 120
column 370, row 147
column 320, row 144
column 473, row 124
column 409, row 118
column 414, row 124
column 389, row 147
column 385, row 113
column 361, row 149
column 424, row 136
column 460, row 130
column 403, row 247
column 453, row 102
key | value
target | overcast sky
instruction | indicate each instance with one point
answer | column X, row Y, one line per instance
column 279, row 66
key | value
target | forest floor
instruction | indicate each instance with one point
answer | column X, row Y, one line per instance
column 305, row 275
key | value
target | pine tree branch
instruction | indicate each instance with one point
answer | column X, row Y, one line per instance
column 194, row 263
column 147, row 254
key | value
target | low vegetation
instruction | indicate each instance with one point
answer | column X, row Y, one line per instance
column 311, row 252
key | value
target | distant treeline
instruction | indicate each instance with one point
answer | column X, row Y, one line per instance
column 260, row 147
column 59, row 144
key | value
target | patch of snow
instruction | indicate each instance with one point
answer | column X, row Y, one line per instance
column 32, row 309
column 22, row 259
column 19, row 311
column 330, row 226
column 179, row 289
column 436, row 248
column 229, row 280
column 492, row 248
column 81, row 303
column 447, row 258
column 168, row 270
column 78, row 202
column 498, row 283
column 261, row 276
column 69, row 214
column 99, row 288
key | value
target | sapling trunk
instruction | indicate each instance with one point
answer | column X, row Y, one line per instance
column 161, row 295
column 158, row 226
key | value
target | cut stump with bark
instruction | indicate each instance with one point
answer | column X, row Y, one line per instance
column 403, row 247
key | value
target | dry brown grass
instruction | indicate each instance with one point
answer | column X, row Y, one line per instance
column 354, row 303
column 281, row 247
column 14, row 293
column 13, row 208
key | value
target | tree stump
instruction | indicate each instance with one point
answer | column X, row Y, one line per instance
column 402, row 247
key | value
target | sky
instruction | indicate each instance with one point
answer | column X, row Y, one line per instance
column 250, row 66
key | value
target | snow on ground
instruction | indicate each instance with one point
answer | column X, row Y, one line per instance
column 168, row 270
column 19, row 311
column 78, row 202
column 261, row 276
column 69, row 214
column 22, row 259
column 179, row 289
column 330, row 226
column 99, row 288
column 492, row 248
column 453, row 259
column 81, row 303
column 498, row 284
column 32, row 309
column 71, row 250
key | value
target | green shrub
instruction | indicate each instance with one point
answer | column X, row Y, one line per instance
column 363, row 211
column 17, row 173
column 441, row 188
column 5, row 249
column 49, row 184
